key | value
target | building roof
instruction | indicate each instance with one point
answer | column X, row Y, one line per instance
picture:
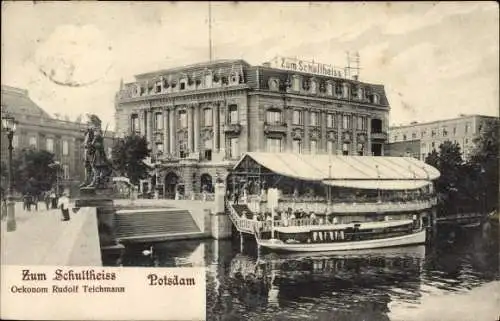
column 187, row 68
column 369, row 172
column 442, row 121
column 16, row 101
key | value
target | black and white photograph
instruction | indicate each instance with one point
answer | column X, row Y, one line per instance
column 317, row 160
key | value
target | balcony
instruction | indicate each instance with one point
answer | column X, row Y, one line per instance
column 232, row 129
column 379, row 136
column 279, row 128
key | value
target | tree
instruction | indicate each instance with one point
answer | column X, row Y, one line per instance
column 127, row 157
column 484, row 164
column 449, row 162
column 32, row 171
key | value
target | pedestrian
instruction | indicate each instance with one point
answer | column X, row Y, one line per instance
column 53, row 199
column 63, row 204
column 47, row 200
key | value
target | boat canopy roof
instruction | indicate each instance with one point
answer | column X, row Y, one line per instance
column 363, row 172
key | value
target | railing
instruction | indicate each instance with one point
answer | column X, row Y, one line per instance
column 275, row 127
column 379, row 135
column 242, row 224
column 358, row 207
column 232, row 128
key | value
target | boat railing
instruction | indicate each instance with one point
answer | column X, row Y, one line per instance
column 354, row 207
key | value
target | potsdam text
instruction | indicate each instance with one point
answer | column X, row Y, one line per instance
column 173, row 280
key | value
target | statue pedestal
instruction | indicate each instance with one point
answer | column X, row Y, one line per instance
column 102, row 200
column 91, row 197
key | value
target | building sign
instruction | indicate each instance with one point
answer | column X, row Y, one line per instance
column 299, row 65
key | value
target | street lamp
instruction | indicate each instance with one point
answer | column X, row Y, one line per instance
column 9, row 126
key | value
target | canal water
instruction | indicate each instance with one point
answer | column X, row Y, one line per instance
column 455, row 277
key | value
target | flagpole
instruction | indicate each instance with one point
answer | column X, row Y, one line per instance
column 210, row 30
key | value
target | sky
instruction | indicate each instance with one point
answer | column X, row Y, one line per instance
column 436, row 60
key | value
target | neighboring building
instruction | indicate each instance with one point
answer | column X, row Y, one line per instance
column 201, row 118
column 409, row 148
column 461, row 130
column 37, row 129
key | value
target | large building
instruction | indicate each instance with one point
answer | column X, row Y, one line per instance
column 38, row 130
column 462, row 130
column 201, row 118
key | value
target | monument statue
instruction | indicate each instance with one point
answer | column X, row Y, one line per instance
column 97, row 166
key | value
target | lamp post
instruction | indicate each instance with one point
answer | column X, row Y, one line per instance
column 9, row 126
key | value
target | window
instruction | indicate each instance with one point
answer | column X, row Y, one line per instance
column 445, row 132
column 361, row 149
column 433, row 133
column 158, row 86
column 207, row 117
column 466, row 141
column 329, row 147
column 65, row 147
column 314, row 147
column 134, row 123
column 183, row 153
column 297, row 146
column 313, row 120
column 32, row 141
column 330, row 120
column 208, row 149
column 233, row 114
column 183, row 119
column 454, row 130
column 414, row 136
column 273, row 145
column 345, row 149
column 297, row 117
column 396, row 138
column 273, row 116
column 361, row 123
column 404, row 136
column 234, row 148
column 433, row 144
column 422, row 134
column 466, row 128
column 338, row 89
column 65, row 171
column 50, row 145
column 346, row 121
column 159, row 148
column 182, row 86
column 158, row 121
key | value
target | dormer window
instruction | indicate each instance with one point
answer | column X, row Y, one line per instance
column 306, row 84
column 182, row 86
column 338, row 89
column 158, row 86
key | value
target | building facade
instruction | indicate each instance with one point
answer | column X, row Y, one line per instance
column 200, row 119
column 409, row 148
column 462, row 130
column 38, row 130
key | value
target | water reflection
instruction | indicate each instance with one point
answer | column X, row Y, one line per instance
column 246, row 284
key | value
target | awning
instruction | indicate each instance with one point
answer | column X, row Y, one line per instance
column 379, row 184
column 333, row 167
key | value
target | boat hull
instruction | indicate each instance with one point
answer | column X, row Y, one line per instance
column 411, row 239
